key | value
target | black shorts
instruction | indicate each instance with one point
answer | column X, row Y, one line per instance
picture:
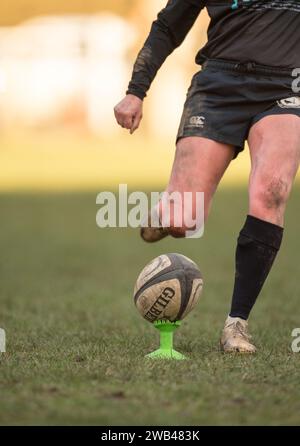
column 226, row 98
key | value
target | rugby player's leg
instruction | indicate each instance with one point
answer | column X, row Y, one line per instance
column 198, row 166
column 274, row 144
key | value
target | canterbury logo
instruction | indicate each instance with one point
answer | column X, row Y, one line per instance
column 289, row 102
column 197, row 121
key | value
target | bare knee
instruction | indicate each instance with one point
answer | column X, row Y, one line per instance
column 268, row 199
column 273, row 194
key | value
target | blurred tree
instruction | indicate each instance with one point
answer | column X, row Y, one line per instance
column 15, row 11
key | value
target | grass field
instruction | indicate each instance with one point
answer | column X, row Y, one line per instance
column 76, row 344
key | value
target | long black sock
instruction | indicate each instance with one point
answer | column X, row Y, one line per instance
column 258, row 244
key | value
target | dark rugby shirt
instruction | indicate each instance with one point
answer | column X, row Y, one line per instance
column 266, row 32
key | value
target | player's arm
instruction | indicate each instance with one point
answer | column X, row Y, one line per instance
column 167, row 33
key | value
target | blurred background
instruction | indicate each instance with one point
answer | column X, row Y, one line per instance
column 63, row 67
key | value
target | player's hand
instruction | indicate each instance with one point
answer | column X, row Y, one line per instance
column 129, row 112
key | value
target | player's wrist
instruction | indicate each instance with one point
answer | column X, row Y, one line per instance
column 137, row 93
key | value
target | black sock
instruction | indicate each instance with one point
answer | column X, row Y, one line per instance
column 258, row 244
